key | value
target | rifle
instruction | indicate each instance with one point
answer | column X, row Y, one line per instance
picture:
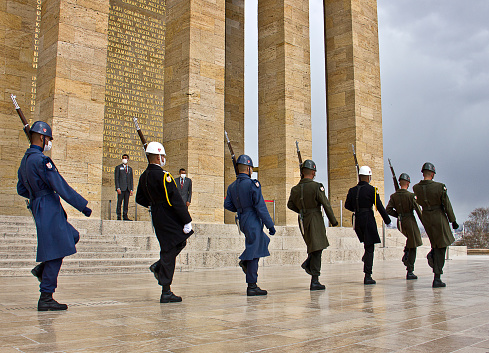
column 356, row 162
column 394, row 179
column 233, row 157
column 26, row 128
column 299, row 156
column 141, row 136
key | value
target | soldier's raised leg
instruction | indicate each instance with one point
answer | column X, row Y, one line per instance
column 48, row 285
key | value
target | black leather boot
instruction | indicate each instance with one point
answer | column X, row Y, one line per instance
column 155, row 268
column 305, row 265
column 368, row 279
column 254, row 290
column 437, row 283
column 37, row 271
column 242, row 264
column 167, row 296
column 47, row 303
column 430, row 259
column 315, row 285
column 411, row 275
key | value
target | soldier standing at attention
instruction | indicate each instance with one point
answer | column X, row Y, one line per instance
column 360, row 200
column 244, row 197
column 306, row 199
column 171, row 221
column 401, row 205
column 437, row 212
column 40, row 181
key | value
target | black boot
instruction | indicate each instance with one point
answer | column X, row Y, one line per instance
column 155, row 268
column 254, row 290
column 167, row 296
column 47, row 303
column 305, row 265
column 368, row 279
column 437, row 283
column 37, row 271
column 430, row 259
column 242, row 264
column 411, row 275
column 315, row 285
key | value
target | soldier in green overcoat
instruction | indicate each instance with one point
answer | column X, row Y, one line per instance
column 401, row 205
column 437, row 212
column 306, row 199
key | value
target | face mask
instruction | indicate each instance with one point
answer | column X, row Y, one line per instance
column 162, row 161
column 182, row 176
column 124, row 161
column 47, row 146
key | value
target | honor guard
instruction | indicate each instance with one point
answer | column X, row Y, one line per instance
column 171, row 220
column 306, row 199
column 437, row 212
column 360, row 200
column 244, row 197
column 401, row 205
column 41, row 183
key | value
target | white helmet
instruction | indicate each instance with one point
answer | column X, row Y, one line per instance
column 365, row 170
column 155, row 148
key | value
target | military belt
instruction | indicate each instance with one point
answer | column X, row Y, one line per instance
column 363, row 209
column 402, row 215
column 42, row 193
column 432, row 208
column 311, row 210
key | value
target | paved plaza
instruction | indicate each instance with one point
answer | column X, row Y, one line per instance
column 122, row 313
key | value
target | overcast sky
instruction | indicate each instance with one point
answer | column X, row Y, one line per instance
column 434, row 61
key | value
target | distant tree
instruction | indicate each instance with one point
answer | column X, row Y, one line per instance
column 476, row 230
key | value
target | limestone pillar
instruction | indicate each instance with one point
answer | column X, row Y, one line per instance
column 194, row 101
column 353, row 96
column 284, row 98
column 70, row 90
column 234, row 90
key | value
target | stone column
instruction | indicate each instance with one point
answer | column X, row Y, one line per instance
column 284, row 98
column 194, row 101
column 353, row 96
column 71, row 86
column 234, row 90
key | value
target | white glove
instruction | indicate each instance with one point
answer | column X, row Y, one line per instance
column 187, row 228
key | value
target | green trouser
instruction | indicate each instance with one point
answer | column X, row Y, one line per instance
column 411, row 259
column 438, row 260
column 315, row 262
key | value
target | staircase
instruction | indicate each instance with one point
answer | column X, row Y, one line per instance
column 130, row 247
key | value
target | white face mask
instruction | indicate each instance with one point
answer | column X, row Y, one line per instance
column 124, row 161
column 162, row 160
column 182, row 176
column 47, row 146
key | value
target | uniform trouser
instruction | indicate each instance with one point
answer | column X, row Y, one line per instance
column 124, row 196
column 314, row 259
column 411, row 259
column 438, row 260
column 50, row 275
column 252, row 270
column 167, row 263
column 368, row 258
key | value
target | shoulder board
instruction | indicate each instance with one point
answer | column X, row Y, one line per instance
column 256, row 183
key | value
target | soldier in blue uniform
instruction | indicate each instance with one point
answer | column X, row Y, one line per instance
column 244, row 197
column 41, row 183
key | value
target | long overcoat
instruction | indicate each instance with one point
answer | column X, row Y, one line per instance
column 169, row 213
column 365, row 224
column 401, row 205
column 244, row 197
column 437, row 212
column 40, row 181
column 306, row 198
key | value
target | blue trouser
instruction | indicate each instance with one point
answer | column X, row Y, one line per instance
column 50, row 275
column 252, row 270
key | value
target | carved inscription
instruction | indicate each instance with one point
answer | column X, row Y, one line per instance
column 134, row 81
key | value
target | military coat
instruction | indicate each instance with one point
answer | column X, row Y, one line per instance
column 40, row 181
column 437, row 212
column 306, row 199
column 157, row 188
column 401, row 205
column 365, row 224
column 244, row 197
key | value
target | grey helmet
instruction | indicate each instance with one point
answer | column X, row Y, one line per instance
column 42, row 128
column 309, row 164
column 245, row 159
column 404, row 176
column 428, row 166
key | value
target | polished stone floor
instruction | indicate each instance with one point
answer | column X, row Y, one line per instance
column 121, row 313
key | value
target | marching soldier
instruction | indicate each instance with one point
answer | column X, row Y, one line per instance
column 244, row 197
column 40, row 181
column 306, row 199
column 172, row 222
column 360, row 200
column 437, row 212
column 401, row 205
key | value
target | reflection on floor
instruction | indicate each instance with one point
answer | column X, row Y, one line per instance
column 122, row 313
